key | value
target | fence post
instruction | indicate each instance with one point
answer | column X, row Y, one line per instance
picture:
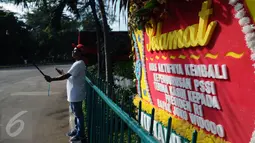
column 119, row 114
column 152, row 121
column 139, row 116
column 92, row 118
column 194, row 137
column 111, row 118
column 122, row 124
column 169, row 130
column 88, row 107
column 129, row 111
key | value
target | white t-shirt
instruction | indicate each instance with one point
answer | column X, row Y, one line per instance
column 75, row 85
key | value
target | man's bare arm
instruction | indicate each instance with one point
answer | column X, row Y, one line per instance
column 62, row 77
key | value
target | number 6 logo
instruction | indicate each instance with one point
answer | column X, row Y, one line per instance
column 14, row 121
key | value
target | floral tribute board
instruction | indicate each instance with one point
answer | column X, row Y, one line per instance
column 197, row 66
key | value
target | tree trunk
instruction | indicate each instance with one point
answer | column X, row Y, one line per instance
column 108, row 62
column 56, row 15
column 98, row 34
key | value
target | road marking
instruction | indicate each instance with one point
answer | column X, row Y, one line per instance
column 33, row 93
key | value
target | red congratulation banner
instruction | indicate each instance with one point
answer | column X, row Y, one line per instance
column 199, row 68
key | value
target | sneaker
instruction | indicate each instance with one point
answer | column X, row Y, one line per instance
column 71, row 133
column 77, row 138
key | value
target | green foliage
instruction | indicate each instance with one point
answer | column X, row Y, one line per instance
column 41, row 39
column 124, row 69
column 52, row 27
column 16, row 41
column 88, row 21
column 125, row 96
column 92, row 69
column 133, row 138
column 51, row 44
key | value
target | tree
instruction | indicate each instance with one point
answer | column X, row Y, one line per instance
column 15, row 38
column 98, row 32
column 121, row 5
column 55, row 24
column 107, row 54
column 49, row 44
column 97, row 18
column 88, row 17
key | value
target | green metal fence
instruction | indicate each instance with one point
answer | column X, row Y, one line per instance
column 108, row 121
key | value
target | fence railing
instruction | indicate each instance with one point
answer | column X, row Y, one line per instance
column 109, row 118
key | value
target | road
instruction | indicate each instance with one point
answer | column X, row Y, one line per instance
column 27, row 113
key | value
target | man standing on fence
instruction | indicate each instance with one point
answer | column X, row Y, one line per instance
column 75, row 91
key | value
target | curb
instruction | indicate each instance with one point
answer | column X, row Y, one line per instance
column 15, row 66
column 30, row 65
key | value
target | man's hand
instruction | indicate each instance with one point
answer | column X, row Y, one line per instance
column 48, row 78
column 61, row 72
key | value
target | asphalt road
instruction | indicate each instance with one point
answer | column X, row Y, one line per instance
column 27, row 113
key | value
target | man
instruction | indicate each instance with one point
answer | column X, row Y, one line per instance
column 75, row 91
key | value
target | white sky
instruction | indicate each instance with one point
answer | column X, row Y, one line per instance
column 116, row 26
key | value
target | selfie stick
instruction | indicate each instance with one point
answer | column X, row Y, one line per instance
column 38, row 69
column 43, row 75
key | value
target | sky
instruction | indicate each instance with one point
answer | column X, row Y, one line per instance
column 118, row 25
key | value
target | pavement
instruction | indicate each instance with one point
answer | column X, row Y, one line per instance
column 27, row 113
